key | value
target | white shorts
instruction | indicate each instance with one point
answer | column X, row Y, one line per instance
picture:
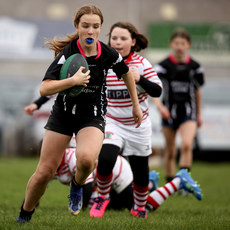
column 131, row 140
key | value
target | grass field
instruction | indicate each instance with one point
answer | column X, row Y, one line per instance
column 213, row 212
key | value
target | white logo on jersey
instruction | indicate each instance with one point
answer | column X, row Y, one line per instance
column 62, row 60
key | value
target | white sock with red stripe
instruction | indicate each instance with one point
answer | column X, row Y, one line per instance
column 104, row 185
column 140, row 196
column 157, row 197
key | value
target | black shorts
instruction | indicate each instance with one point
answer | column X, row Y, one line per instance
column 180, row 113
column 66, row 123
column 175, row 123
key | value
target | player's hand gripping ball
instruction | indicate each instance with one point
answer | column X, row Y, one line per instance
column 69, row 68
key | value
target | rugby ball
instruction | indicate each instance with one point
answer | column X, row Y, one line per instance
column 69, row 68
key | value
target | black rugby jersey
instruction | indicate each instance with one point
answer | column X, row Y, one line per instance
column 95, row 92
column 180, row 81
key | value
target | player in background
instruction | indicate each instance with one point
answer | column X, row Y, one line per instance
column 182, row 78
column 83, row 115
column 120, row 131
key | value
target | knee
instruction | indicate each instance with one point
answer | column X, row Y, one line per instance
column 186, row 147
column 171, row 152
column 44, row 174
column 86, row 163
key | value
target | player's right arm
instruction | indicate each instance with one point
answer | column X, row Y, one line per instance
column 50, row 87
column 130, row 83
column 198, row 107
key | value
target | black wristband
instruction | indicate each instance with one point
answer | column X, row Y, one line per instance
column 40, row 101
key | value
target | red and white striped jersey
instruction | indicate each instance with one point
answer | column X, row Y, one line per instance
column 119, row 102
column 67, row 168
column 122, row 173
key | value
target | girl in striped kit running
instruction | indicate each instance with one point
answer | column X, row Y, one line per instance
column 121, row 132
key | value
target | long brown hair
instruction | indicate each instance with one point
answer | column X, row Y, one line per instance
column 58, row 44
column 141, row 40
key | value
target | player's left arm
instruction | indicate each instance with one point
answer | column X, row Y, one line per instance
column 198, row 107
column 130, row 83
column 147, row 78
column 199, row 81
column 152, row 88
